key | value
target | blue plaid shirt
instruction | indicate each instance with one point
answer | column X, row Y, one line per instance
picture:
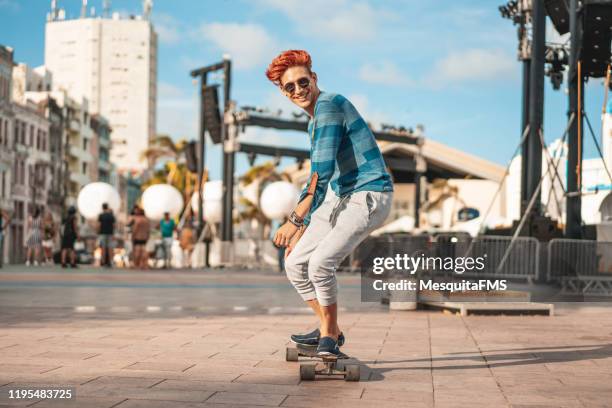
column 343, row 152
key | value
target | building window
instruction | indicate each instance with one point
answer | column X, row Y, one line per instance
column 44, row 141
column 23, row 133
column 31, row 136
column 1, row 129
column 84, row 168
column 6, row 132
column 16, row 140
column 85, row 143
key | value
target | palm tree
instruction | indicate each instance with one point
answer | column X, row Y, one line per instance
column 163, row 146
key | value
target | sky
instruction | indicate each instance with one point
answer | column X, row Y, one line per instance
column 450, row 66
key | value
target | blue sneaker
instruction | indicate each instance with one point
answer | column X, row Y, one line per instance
column 308, row 339
column 328, row 347
column 312, row 338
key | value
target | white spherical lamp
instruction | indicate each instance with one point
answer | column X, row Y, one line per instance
column 278, row 200
column 161, row 198
column 93, row 195
column 213, row 201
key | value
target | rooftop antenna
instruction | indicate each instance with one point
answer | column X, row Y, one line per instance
column 106, row 6
column 147, row 7
column 84, row 9
column 53, row 10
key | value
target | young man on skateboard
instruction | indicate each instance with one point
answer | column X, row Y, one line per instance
column 319, row 235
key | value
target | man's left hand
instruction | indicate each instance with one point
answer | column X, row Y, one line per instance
column 284, row 234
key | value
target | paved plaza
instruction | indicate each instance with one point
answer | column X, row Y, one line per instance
column 217, row 339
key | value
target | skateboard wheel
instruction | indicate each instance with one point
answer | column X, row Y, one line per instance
column 292, row 354
column 352, row 373
column 307, row 372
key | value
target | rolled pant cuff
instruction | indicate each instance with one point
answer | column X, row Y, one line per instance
column 327, row 302
column 308, row 296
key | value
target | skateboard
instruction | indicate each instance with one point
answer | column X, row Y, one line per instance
column 329, row 366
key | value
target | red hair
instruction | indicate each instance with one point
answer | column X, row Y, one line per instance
column 286, row 60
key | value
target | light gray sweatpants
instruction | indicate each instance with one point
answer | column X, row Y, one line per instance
column 335, row 230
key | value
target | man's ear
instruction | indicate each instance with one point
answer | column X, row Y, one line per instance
column 314, row 76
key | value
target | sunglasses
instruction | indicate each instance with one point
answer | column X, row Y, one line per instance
column 289, row 87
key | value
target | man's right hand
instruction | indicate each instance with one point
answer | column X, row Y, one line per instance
column 294, row 240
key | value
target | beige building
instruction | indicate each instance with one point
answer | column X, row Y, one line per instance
column 6, row 140
column 112, row 62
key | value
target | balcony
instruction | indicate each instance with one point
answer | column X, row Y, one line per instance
column 81, row 154
column 79, row 178
column 74, row 125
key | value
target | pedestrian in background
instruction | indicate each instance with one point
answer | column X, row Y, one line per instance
column 167, row 226
column 140, row 235
column 106, row 230
column 70, row 233
column 48, row 237
column 34, row 240
column 5, row 220
column 186, row 240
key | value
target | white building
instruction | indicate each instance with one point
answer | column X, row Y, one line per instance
column 595, row 185
column 607, row 135
column 113, row 63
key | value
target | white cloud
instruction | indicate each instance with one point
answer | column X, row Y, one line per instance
column 472, row 65
column 334, row 19
column 167, row 27
column 384, row 73
column 249, row 45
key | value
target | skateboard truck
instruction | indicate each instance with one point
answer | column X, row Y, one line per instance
column 328, row 366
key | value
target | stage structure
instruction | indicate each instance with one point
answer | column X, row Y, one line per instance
column 588, row 55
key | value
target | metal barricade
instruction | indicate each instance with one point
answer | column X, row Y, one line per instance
column 505, row 258
column 580, row 266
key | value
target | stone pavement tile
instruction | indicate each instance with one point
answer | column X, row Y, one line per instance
column 536, row 398
column 409, row 385
column 462, row 382
column 473, row 399
column 322, row 401
column 161, row 366
column 144, row 393
column 256, row 378
column 406, row 396
column 221, row 366
column 131, row 337
column 225, row 355
column 68, row 355
column 225, row 366
column 349, row 392
column 146, row 403
column 224, row 397
column 27, row 368
column 212, row 375
column 89, row 402
column 107, row 380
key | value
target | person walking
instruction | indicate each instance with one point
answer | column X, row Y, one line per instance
column 186, row 238
column 141, row 229
column 167, row 226
column 70, row 234
column 48, row 237
column 106, row 230
column 5, row 220
column 34, row 240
